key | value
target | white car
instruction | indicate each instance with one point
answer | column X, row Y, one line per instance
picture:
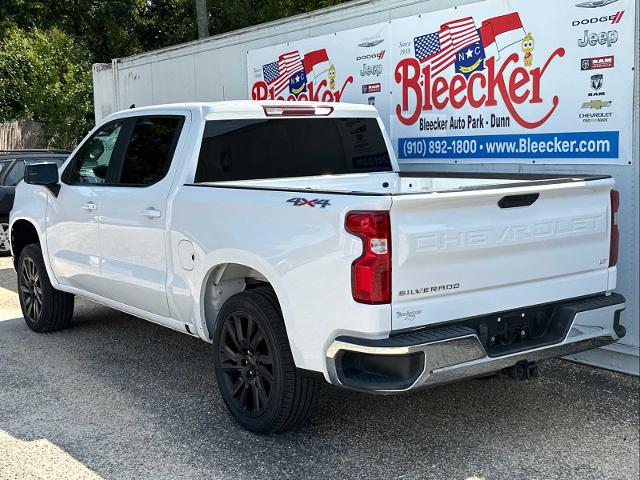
column 285, row 235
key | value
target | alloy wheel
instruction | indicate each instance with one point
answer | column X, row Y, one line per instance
column 31, row 289
column 246, row 363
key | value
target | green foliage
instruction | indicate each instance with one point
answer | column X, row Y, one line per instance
column 47, row 47
column 46, row 76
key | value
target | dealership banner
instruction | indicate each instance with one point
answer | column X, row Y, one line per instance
column 495, row 81
column 348, row 66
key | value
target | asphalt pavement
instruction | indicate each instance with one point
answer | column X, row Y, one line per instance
column 116, row 397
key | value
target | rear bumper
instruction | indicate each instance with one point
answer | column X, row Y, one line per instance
column 441, row 355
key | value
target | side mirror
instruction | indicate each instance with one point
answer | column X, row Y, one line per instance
column 45, row 174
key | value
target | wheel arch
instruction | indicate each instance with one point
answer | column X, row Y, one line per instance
column 237, row 273
column 23, row 233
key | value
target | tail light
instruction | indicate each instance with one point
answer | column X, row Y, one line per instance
column 371, row 272
column 615, row 234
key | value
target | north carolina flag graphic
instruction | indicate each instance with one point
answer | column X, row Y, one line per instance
column 316, row 62
column 498, row 33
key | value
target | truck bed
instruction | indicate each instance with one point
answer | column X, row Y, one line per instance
column 472, row 244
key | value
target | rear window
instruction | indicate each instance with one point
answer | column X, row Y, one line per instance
column 277, row 148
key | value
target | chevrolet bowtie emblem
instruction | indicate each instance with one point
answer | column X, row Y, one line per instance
column 597, row 104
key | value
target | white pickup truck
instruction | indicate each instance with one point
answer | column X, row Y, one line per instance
column 285, row 235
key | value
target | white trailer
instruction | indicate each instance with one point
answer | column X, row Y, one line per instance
column 224, row 67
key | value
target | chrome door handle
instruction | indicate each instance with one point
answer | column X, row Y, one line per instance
column 89, row 206
column 151, row 213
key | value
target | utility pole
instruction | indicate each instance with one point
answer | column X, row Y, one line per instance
column 202, row 17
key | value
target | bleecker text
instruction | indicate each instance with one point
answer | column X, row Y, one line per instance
column 421, row 92
column 316, row 93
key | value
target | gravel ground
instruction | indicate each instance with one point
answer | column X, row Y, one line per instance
column 117, row 397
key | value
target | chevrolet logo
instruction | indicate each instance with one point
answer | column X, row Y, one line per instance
column 597, row 104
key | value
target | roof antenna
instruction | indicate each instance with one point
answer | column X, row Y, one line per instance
column 133, row 105
column 223, row 93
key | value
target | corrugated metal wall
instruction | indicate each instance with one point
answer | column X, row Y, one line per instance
column 215, row 69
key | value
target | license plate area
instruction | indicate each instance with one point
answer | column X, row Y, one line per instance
column 503, row 332
column 522, row 329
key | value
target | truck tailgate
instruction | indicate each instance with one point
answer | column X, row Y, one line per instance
column 466, row 253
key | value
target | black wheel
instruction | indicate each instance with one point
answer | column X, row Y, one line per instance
column 254, row 367
column 44, row 308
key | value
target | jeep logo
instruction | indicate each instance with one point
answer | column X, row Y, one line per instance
column 602, row 38
column 368, row 70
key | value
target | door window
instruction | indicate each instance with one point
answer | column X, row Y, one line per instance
column 15, row 175
column 148, row 155
column 92, row 162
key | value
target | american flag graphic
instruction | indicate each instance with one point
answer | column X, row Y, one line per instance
column 277, row 74
column 439, row 48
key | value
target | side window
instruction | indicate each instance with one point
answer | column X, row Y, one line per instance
column 91, row 163
column 148, row 155
column 15, row 175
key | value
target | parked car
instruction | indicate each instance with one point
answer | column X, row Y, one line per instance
column 12, row 168
column 285, row 235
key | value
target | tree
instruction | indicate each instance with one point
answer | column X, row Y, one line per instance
column 108, row 29
column 47, row 47
column 46, row 76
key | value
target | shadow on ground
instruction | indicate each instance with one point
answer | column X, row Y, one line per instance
column 130, row 399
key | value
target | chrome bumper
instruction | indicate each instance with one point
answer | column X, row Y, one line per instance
column 460, row 353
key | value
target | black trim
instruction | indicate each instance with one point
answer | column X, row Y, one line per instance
column 368, row 371
column 283, row 189
column 512, row 201
column 544, row 324
column 416, row 337
column 504, row 175
column 117, row 158
column 537, row 305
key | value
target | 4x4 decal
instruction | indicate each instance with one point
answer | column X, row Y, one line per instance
column 299, row 201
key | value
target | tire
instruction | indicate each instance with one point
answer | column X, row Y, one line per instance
column 44, row 308
column 254, row 367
